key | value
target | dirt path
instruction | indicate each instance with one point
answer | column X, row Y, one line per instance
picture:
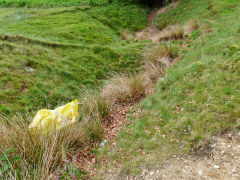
column 150, row 32
column 86, row 159
column 222, row 163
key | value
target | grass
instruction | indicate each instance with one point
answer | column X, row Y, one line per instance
column 197, row 99
column 49, row 3
column 41, row 58
column 124, row 89
column 171, row 33
column 66, row 50
column 48, row 56
column 34, row 157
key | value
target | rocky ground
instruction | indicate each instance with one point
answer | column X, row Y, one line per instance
column 221, row 163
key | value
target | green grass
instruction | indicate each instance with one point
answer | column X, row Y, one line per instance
column 198, row 98
column 49, row 3
column 205, row 9
column 68, row 48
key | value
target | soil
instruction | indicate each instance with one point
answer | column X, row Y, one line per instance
column 222, row 163
column 151, row 32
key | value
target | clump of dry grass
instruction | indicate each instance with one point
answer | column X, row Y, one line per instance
column 123, row 89
column 93, row 109
column 93, row 105
column 157, row 58
column 160, row 54
column 125, row 35
column 40, row 155
column 191, row 25
column 171, row 32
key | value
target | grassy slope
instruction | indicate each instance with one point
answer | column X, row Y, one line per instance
column 198, row 98
column 49, row 3
column 69, row 49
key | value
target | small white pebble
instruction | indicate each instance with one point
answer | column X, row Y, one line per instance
column 151, row 173
column 229, row 146
column 216, row 166
column 157, row 171
column 200, row 172
column 234, row 170
column 213, row 145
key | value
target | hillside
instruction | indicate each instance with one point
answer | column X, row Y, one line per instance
column 158, row 89
column 49, row 55
column 197, row 99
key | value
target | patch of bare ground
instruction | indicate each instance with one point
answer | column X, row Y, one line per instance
column 222, row 162
column 115, row 120
column 85, row 160
column 152, row 33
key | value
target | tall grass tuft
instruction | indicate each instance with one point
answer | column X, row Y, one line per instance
column 171, row 33
column 122, row 89
column 40, row 156
column 161, row 54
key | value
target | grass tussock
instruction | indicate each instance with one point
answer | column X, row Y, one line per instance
column 171, row 33
column 36, row 156
column 123, row 89
column 156, row 59
column 160, row 55
column 125, row 35
column 40, row 156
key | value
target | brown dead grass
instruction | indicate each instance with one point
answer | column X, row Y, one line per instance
column 122, row 89
column 171, row 33
column 125, row 35
column 160, row 55
column 191, row 26
column 39, row 154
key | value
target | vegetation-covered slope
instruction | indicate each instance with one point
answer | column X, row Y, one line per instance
column 49, row 55
column 198, row 97
column 49, row 3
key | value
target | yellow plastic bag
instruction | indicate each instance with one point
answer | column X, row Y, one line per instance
column 47, row 121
